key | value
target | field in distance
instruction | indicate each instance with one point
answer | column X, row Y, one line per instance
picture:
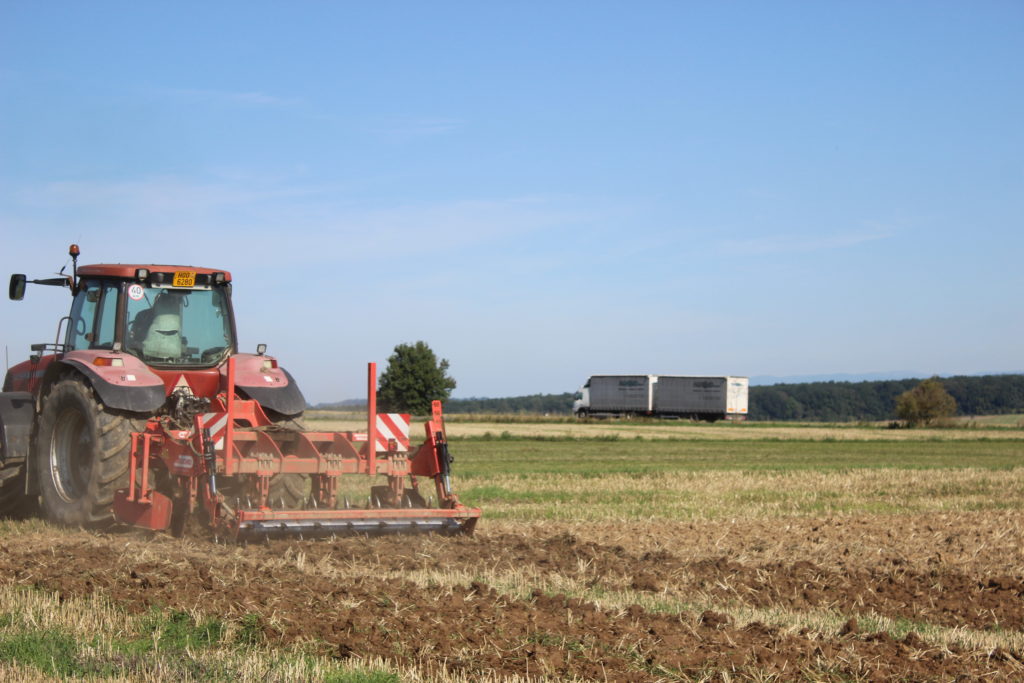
column 563, row 427
column 597, row 470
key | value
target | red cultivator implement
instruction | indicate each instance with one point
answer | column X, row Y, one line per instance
column 144, row 410
column 233, row 440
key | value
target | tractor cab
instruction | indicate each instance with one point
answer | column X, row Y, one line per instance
column 167, row 316
column 150, row 317
column 142, row 334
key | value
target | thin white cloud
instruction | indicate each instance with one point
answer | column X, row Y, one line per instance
column 156, row 194
column 229, row 97
column 799, row 244
column 405, row 131
column 298, row 222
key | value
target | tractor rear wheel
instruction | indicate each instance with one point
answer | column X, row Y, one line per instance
column 290, row 491
column 13, row 501
column 82, row 453
column 287, row 491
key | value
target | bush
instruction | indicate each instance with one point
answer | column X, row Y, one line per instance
column 926, row 402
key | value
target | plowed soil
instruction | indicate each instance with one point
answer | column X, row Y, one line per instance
column 599, row 602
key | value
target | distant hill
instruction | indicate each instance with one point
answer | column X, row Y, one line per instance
column 760, row 380
column 347, row 404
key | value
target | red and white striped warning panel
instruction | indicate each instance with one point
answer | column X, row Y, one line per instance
column 392, row 426
column 217, row 422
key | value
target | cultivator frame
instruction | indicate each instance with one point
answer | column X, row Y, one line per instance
column 174, row 473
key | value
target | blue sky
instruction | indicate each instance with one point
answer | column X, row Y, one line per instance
column 540, row 191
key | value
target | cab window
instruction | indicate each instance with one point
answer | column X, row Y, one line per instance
column 93, row 316
column 168, row 326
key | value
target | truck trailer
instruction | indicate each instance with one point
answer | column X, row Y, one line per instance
column 701, row 398
column 612, row 395
column 670, row 396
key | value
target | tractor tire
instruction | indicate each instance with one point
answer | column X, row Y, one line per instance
column 290, row 491
column 81, row 456
column 287, row 491
column 14, row 504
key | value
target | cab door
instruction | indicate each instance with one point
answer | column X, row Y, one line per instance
column 93, row 323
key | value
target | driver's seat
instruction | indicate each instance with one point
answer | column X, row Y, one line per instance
column 163, row 339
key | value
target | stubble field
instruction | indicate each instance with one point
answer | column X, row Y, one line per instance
column 612, row 551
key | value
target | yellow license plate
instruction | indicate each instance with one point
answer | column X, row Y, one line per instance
column 184, row 278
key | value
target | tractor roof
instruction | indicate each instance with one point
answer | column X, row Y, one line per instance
column 127, row 270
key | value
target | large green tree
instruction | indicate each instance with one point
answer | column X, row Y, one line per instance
column 926, row 402
column 414, row 377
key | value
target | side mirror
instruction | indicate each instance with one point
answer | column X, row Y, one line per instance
column 17, row 288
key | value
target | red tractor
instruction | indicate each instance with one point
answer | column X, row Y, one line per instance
column 144, row 411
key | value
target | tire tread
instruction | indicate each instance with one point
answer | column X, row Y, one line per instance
column 112, row 432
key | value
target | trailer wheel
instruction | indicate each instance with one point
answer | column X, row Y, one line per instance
column 81, row 456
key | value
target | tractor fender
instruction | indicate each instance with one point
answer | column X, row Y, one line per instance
column 262, row 380
column 17, row 414
column 129, row 386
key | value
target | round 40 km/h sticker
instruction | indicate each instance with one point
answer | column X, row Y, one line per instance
column 135, row 292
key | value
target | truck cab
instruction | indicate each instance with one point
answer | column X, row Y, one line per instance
column 581, row 402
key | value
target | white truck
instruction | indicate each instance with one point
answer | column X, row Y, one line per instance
column 674, row 396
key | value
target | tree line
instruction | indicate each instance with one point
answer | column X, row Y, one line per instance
column 810, row 401
column 415, row 376
column 848, row 401
column 535, row 404
column 538, row 404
